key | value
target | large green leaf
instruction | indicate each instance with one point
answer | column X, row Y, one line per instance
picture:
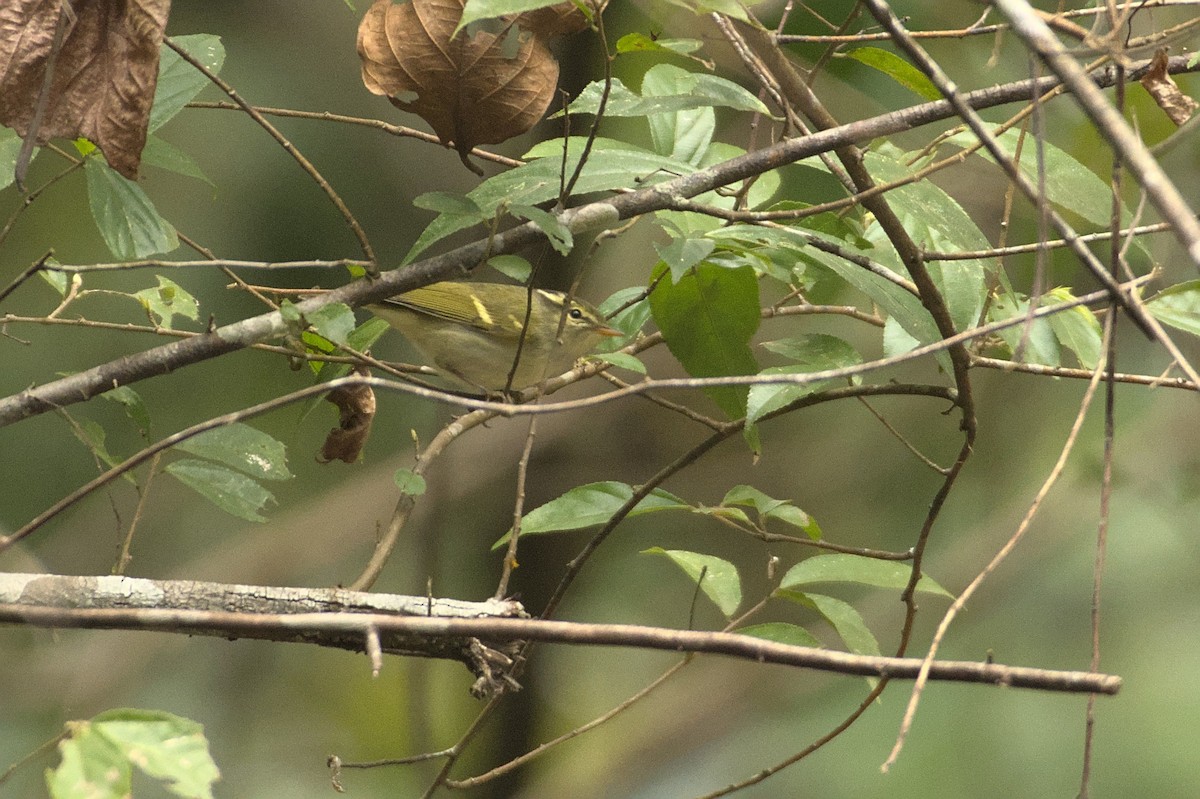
column 707, row 318
column 128, row 221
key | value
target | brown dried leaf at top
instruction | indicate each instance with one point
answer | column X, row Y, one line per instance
column 479, row 87
column 104, row 74
column 1178, row 106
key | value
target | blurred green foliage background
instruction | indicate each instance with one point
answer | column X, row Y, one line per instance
column 273, row 713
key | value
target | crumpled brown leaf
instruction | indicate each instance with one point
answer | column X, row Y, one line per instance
column 480, row 87
column 356, row 411
column 104, row 75
column 1178, row 106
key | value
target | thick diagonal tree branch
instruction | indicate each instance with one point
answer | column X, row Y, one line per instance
column 400, row 625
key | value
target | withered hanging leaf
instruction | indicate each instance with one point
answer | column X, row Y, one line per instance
column 1178, row 106
column 480, row 87
column 356, row 407
column 104, row 73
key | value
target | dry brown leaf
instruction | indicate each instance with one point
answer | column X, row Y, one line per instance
column 480, row 87
column 356, row 411
column 104, row 73
column 1178, row 106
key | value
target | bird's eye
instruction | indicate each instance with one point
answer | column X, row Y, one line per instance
column 575, row 313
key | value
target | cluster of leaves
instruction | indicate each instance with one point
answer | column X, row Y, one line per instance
column 596, row 504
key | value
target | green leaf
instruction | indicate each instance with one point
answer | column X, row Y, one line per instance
column 131, row 401
column 1034, row 340
column 640, row 42
column 10, row 149
column 98, row 756
column 512, row 266
column 681, row 254
column 59, row 281
column 684, row 135
column 164, row 155
column 938, row 223
column 846, row 621
column 897, row 69
column 361, row 339
column 558, row 234
column 729, row 8
column 812, row 352
column 707, row 319
column 1077, row 328
column 692, row 90
column 847, row 568
column 490, row 9
column 718, row 578
column 290, row 313
column 445, row 202
column 455, row 212
column 242, row 447
column 334, row 321
column 1178, row 306
column 629, row 321
column 93, row 436
column 178, row 81
column 1069, row 184
column 622, row 360
column 898, row 303
column 167, row 301
column 589, row 506
column 781, row 633
column 409, row 482
column 92, row 766
column 230, row 491
column 128, row 221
